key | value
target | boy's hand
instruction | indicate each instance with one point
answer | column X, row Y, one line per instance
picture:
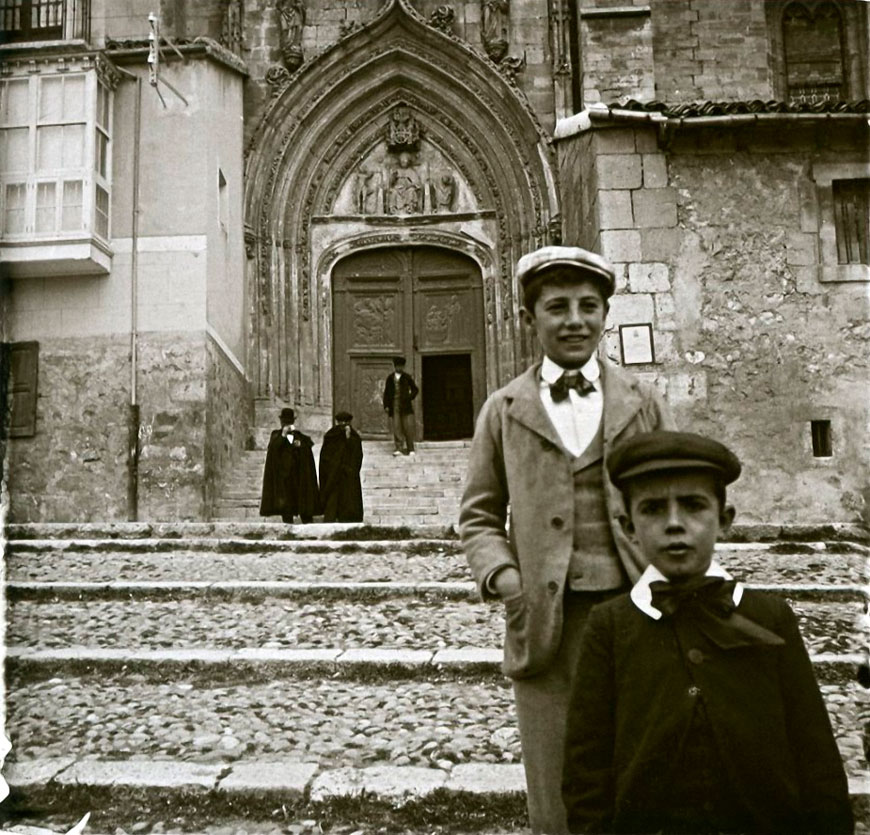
column 508, row 583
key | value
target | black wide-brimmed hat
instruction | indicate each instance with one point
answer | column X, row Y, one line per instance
column 345, row 417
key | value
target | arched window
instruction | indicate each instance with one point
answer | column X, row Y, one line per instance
column 812, row 40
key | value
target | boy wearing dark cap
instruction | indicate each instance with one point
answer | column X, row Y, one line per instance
column 539, row 447
column 695, row 708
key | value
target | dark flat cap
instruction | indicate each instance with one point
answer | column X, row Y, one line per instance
column 587, row 264
column 346, row 417
column 660, row 450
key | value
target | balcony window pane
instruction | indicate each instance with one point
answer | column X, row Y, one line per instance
column 62, row 98
column 14, row 152
column 102, row 152
column 46, row 209
column 103, row 99
column 71, row 218
column 14, row 103
column 13, row 221
column 60, row 146
column 101, row 212
column 51, row 99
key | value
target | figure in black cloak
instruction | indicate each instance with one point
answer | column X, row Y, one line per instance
column 289, row 477
column 340, row 461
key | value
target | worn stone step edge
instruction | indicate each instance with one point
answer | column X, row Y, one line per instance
column 363, row 590
column 292, row 783
column 295, row 540
column 854, row 533
column 383, row 663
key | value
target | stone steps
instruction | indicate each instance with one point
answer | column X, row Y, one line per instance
column 342, row 673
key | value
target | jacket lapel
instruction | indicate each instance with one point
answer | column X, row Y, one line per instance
column 526, row 407
column 622, row 399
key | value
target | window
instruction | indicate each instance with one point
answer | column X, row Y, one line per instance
column 20, row 365
column 820, row 430
column 55, row 134
column 43, row 20
column 852, row 220
column 812, row 35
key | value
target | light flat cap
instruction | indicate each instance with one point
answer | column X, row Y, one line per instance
column 659, row 451
column 588, row 265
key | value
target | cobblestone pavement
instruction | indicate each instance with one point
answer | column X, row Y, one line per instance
column 356, row 562
column 419, row 623
column 334, row 723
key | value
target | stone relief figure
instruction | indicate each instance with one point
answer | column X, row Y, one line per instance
column 368, row 191
column 443, row 192
column 402, row 130
column 406, row 191
column 495, row 28
column 291, row 19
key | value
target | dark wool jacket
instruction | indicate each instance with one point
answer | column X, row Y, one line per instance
column 632, row 702
column 407, row 393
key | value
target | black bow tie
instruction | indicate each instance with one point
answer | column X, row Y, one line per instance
column 570, row 380
column 709, row 603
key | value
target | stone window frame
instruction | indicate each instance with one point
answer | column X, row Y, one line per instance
column 823, row 220
column 855, row 55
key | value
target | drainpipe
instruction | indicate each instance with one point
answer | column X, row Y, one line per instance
column 133, row 408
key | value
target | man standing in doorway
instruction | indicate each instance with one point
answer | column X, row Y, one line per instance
column 540, row 446
column 399, row 393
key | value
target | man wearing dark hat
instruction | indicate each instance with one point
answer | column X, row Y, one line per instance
column 289, row 475
column 399, row 393
column 694, row 705
column 539, row 447
column 341, row 459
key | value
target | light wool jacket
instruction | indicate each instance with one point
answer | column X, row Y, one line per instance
column 517, row 459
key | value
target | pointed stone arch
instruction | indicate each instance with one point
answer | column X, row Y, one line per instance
column 306, row 155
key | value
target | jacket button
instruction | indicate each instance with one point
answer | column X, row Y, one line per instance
column 695, row 656
column 552, row 586
column 694, row 691
column 557, row 522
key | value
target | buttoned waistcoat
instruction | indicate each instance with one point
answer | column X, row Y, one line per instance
column 517, row 459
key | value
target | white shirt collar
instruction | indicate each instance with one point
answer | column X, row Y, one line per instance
column 551, row 371
column 641, row 595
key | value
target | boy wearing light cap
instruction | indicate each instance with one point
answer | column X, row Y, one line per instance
column 539, row 448
column 695, row 708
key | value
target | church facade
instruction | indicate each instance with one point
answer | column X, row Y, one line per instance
column 234, row 206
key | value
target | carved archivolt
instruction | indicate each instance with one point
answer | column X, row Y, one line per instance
column 397, row 124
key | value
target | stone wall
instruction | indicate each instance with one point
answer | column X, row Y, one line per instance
column 750, row 344
column 75, row 467
column 711, row 50
column 172, row 391
column 617, row 53
column 228, row 419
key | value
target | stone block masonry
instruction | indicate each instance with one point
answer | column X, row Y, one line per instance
column 76, row 465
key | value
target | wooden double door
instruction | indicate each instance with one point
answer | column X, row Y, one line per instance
column 423, row 303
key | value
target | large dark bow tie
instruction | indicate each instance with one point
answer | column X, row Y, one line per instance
column 570, row 380
column 709, row 603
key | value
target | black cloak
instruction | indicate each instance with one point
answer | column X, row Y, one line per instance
column 340, row 461
column 290, row 478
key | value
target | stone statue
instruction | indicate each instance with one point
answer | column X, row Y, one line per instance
column 495, row 28
column 406, row 193
column 291, row 19
column 368, row 188
column 444, row 193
